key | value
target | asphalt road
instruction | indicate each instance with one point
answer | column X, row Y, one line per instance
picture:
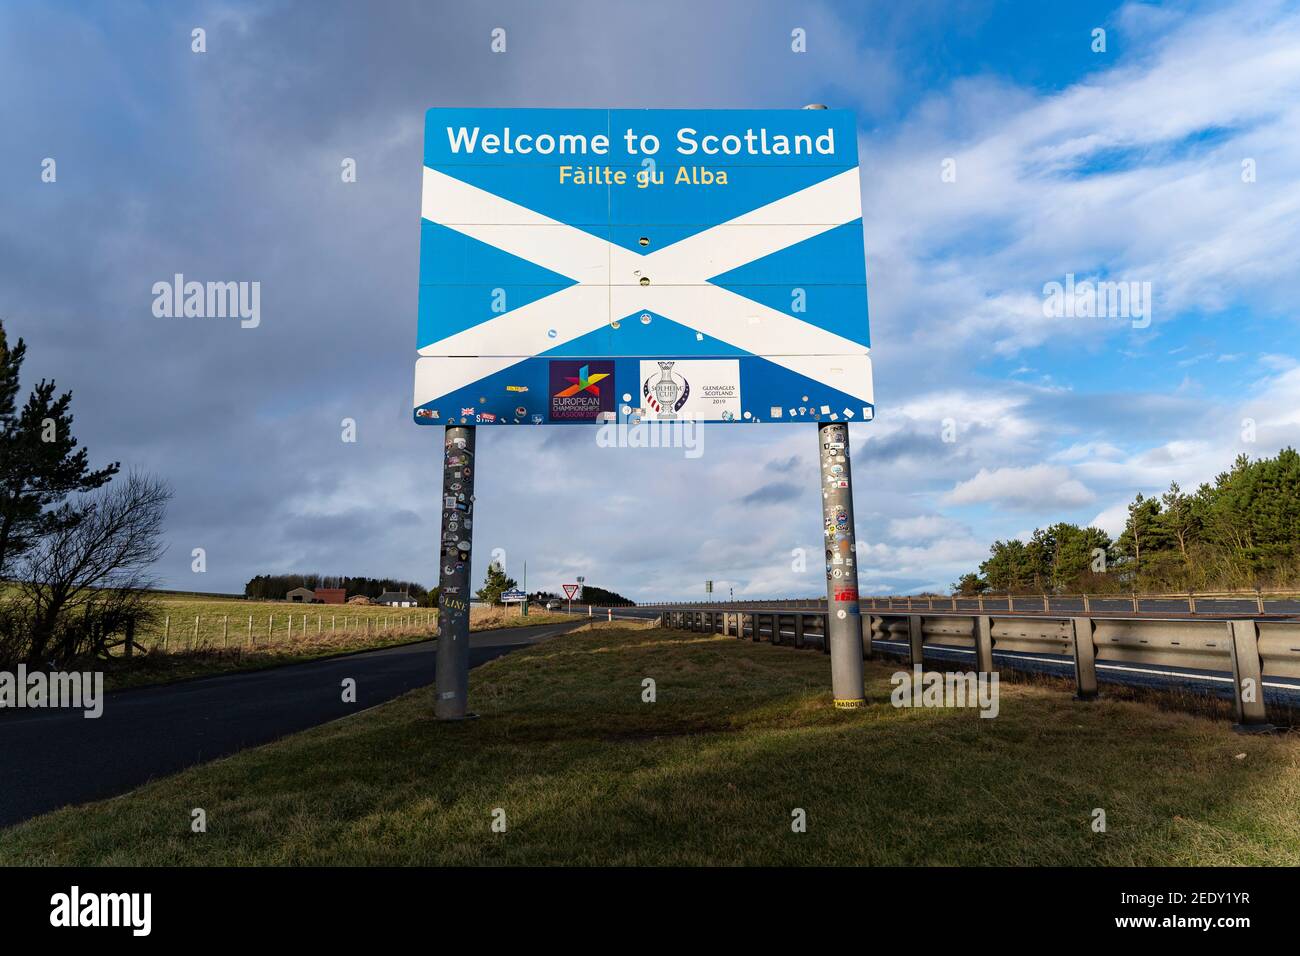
column 52, row 758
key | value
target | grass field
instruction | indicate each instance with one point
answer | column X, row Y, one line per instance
column 741, row 736
column 226, row 622
column 197, row 636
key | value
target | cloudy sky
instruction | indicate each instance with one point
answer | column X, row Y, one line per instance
column 1171, row 158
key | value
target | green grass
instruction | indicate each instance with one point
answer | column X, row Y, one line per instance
column 741, row 735
column 319, row 630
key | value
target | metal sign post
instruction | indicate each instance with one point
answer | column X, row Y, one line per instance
column 843, row 619
column 451, row 680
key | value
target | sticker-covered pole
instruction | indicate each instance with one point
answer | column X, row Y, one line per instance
column 843, row 616
column 451, row 680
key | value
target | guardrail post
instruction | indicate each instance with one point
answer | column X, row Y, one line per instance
column 1247, row 678
column 868, row 625
column 916, row 639
column 982, row 631
column 758, row 627
column 798, row 629
column 740, row 625
column 1085, row 658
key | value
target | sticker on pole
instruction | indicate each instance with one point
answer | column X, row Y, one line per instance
column 583, row 266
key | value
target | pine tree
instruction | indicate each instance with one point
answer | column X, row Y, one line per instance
column 496, row 583
column 40, row 465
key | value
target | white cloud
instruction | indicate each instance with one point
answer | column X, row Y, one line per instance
column 925, row 528
column 1035, row 486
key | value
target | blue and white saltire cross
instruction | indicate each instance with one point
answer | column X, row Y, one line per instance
column 580, row 266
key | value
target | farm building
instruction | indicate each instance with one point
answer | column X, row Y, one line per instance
column 331, row 595
column 396, row 599
column 301, row 596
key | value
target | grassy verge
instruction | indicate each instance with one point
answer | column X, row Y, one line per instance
column 741, row 735
column 210, row 658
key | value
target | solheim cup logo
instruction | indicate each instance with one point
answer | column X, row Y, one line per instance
column 666, row 397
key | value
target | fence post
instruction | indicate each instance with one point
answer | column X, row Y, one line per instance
column 167, row 630
column 1247, row 678
column 1087, row 606
column 916, row 639
column 982, row 631
column 1085, row 658
column 225, row 630
column 1046, row 606
column 250, row 630
column 130, row 638
column 1135, row 603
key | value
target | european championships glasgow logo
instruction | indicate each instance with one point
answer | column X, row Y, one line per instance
column 576, row 393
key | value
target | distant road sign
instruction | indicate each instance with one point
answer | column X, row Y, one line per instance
column 570, row 590
column 579, row 266
column 512, row 596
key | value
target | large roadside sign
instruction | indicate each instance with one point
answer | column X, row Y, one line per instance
column 581, row 266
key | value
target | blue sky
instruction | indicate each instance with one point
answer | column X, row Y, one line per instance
column 1125, row 164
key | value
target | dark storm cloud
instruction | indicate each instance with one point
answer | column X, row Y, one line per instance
column 777, row 492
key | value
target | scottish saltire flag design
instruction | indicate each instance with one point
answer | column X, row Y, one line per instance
column 580, row 266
